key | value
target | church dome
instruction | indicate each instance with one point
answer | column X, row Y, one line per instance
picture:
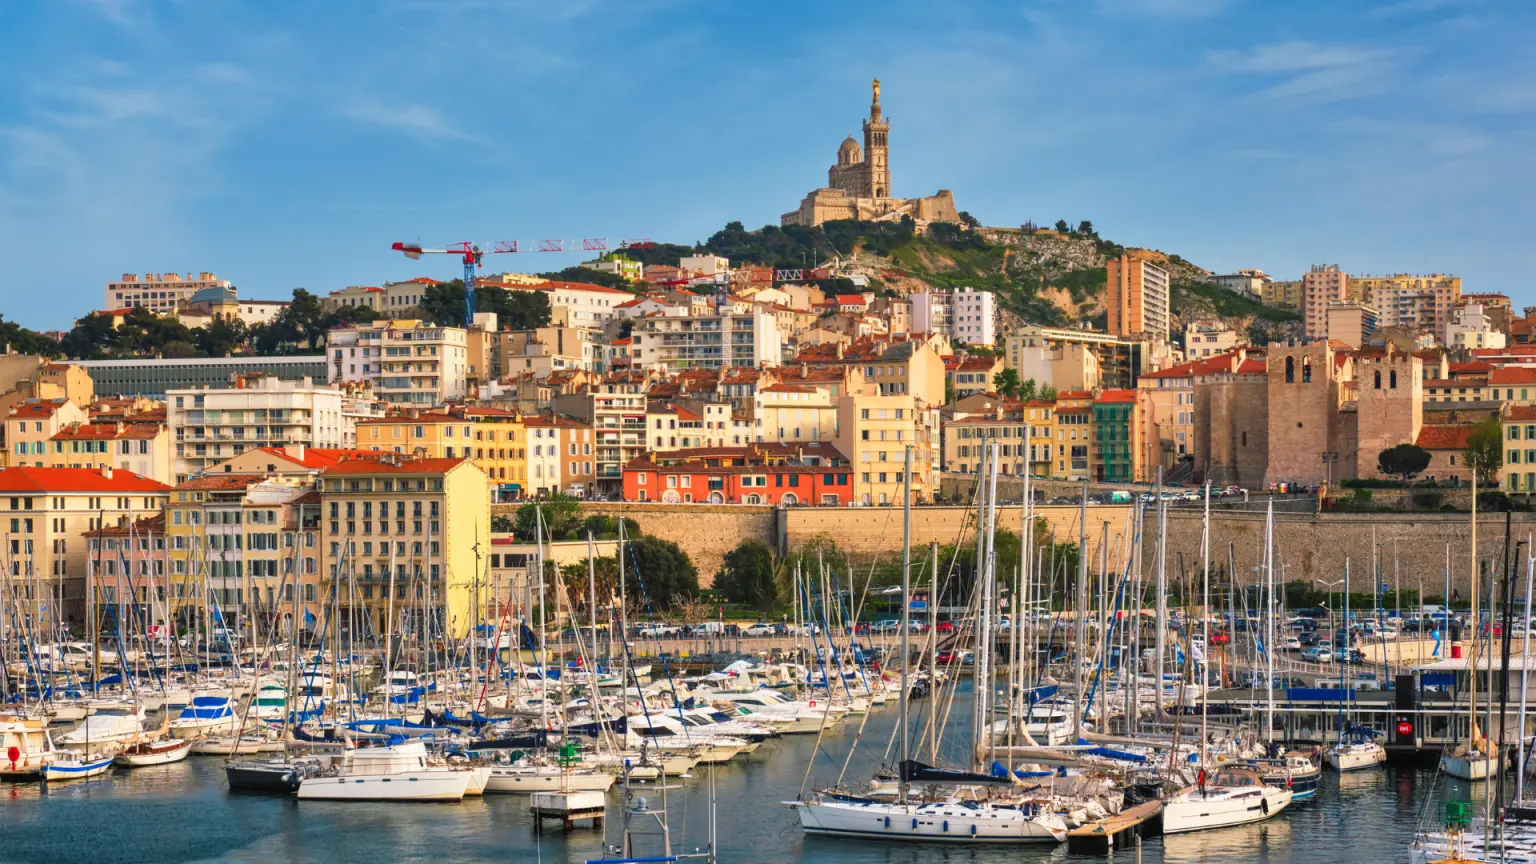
column 849, row 152
column 213, row 294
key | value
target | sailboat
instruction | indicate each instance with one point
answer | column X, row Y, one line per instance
column 974, row 818
column 397, row 772
column 1233, row 795
column 1470, row 759
column 1355, row 749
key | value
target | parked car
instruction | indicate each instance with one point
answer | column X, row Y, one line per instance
column 889, row 625
column 1318, row 654
column 761, row 630
column 659, row 630
column 1220, row 637
column 945, row 627
column 1292, row 643
column 1309, row 638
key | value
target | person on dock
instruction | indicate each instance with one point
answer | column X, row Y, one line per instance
column 1200, row 782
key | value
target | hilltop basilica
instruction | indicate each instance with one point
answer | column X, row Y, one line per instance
column 859, row 185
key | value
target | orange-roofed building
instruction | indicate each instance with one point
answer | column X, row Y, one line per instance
column 144, row 448
column 1121, row 440
column 1447, row 445
column 31, row 425
column 1519, row 471
column 50, row 510
column 773, row 474
column 1170, row 397
column 495, row 439
column 428, row 519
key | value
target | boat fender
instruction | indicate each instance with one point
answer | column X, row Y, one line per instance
column 887, row 823
column 973, row 830
column 813, row 703
column 946, row 826
column 1264, row 806
column 914, row 824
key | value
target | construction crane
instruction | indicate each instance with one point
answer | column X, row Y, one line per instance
column 473, row 255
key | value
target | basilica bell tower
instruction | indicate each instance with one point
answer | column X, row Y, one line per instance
column 877, row 164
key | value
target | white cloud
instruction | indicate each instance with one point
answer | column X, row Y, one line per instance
column 1311, row 71
column 420, row 121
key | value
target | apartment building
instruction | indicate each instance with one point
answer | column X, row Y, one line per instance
column 616, row 415
column 210, row 425
column 1352, row 323
column 965, row 315
column 1472, row 327
column 771, row 473
column 494, row 439
column 1119, row 442
column 31, row 425
column 1137, row 297
column 706, row 341
column 246, row 546
column 406, row 536
column 579, row 304
column 1204, row 339
column 1284, row 294
column 972, row 375
column 407, row 362
column 1321, row 286
column 1250, row 283
column 1040, row 414
column 561, row 455
column 160, row 293
column 143, row 448
column 1074, row 434
column 394, row 300
column 47, row 512
column 790, row 413
column 542, row 351
column 966, row 439
column 873, row 433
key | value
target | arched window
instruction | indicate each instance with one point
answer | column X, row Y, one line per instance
column 1290, row 370
column 1393, row 380
column 1306, row 370
column 1378, row 379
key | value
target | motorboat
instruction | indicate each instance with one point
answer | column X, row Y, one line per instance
column 1233, row 796
column 109, row 726
column 270, row 702
column 25, row 748
column 144, row 754
column 75, row 765
column 397, row 772
column 269, row 776
column 527, row 777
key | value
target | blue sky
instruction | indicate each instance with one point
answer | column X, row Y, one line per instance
column 283, row 143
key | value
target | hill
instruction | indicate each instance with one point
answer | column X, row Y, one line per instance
column 1044, row 276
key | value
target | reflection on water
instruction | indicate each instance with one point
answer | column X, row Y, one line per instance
column 182, row 813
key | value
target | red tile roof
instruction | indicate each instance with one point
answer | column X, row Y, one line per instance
column 1073, row 394
column 76, row 480
column 577, row 286
column 787, row 388
column 1445, row 437
column 108, row 431
column 1473, row 366
column 1520, row 413
column 1505, row 375
column 1117, row 396
column 405, row 466
column 217, row 482
column 322, row 457
column 45, row 408
column 1205, row 366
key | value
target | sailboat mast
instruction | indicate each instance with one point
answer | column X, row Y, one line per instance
column 906, row 613
column 1205, row 614
column 1472, row 660
column 1269, row 629
column 1525, row 671
column 1080, row 634
column 1160, row 638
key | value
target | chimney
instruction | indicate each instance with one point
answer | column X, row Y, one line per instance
column 106, row 471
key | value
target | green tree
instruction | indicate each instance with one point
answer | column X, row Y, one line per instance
column 1048, row 393
column 561, row 516
column 663, row 569
column 1063, row 227
column 443, row 304
column 588, row 275
column 1007, row 382
column 968, row 220
column 1085, row 228
column 221, row 336
column 1029, row 390
column 949, row 392
column 748, row 576
column 1404, row 460
column 1485, row 451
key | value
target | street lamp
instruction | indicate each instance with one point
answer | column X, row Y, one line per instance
column 1331, row 626
column 1330, row 457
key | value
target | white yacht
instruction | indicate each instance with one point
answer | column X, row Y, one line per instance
column 111, row 725
column 396, row 773
column 956, row 820
column 1355, row 756
column 1233, row 796
column 25, row 747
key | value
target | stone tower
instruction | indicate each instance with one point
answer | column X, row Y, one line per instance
column 1390, row 396
column 878, row 167
column 1303, row 406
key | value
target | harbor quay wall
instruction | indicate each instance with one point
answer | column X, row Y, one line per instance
column 1314, row 548
column 1310, row 547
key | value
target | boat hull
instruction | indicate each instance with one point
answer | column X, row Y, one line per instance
column 161, row 753
column 65, row 770
column 267, row 778
column 512, row 781
column 944, row 823
column 407, row 786
column 1195, row 812
column 1355, row 758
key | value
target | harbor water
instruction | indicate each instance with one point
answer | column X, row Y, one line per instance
column 183, row 813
